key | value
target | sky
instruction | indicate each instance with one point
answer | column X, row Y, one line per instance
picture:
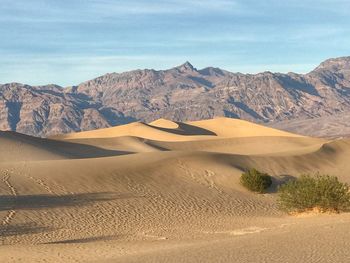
column 66, row 42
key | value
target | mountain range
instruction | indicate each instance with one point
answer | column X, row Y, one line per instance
column 182, row 93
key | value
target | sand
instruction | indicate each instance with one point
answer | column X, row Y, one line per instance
column 164, row 192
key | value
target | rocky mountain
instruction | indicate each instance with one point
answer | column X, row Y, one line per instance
column 333, row 126
column 181, row 93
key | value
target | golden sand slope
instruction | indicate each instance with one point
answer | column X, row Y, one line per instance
column 226, row 127
column 163, row 123
column 164, row 130
column 163, row 192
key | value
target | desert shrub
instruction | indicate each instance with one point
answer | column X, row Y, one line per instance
column 321, row 192
column 256, row 181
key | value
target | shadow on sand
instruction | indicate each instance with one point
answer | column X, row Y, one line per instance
column 278, row 181
column 83, row 240
column 69, row 149
column 27, row 202
column 23, row 229
column 184, row 129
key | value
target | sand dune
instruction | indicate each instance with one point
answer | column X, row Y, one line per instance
column 163, row 123
column 183, row 132
column 163, row 192
column 19, row 147
column 248, row 145
column 227, row 127
column 163, row 130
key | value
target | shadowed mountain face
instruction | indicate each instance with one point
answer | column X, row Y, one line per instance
column 182, row 93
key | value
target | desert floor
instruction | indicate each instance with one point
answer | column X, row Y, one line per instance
column 165, row 192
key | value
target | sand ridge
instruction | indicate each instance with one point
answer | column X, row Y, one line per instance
column 164, row 130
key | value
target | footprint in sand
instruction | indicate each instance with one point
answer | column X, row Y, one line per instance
column 11, row 213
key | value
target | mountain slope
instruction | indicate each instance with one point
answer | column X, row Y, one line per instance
column 182, row 93
column 337, row 125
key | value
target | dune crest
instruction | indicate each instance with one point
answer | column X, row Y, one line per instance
column 165, row 130
column 163, row 123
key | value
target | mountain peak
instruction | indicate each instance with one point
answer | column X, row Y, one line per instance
column 335, row 64
column 187, row 66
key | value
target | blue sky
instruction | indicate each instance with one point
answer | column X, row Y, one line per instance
column 69, row 41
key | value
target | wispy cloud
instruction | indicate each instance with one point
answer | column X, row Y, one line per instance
column 106, row 7
column 316, row 33
column 92, row 11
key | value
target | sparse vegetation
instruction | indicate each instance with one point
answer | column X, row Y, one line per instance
column 320, row 192
column 256, row 181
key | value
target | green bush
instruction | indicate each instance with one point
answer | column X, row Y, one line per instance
column 322, row 192
column 256, row 181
